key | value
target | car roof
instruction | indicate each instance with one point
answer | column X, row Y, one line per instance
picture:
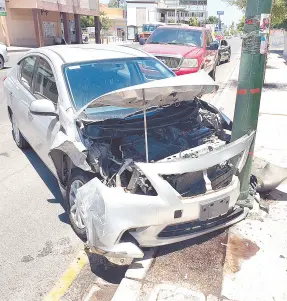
column 185, row 28
column 90, row 52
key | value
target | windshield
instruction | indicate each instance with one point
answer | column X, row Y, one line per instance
column 88, row 81
column 149, row 27
column 176, row 36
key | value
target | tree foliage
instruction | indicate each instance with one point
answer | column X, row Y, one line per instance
column 279, row 9
column 193, row 22
column 113, row 3
column 88, row 21
column 105, row 21
column 240, row 25
column 212, row 20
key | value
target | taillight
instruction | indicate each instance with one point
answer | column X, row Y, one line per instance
column 4, row 78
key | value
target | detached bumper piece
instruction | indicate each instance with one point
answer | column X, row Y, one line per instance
column 199, row 226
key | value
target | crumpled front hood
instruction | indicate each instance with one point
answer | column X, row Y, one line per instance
column 157, row 93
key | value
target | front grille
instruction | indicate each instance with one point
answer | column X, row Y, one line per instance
column 170, row 62
column 192, row 183
column 198, row 226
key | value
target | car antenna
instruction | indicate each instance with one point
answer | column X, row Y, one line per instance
column 145, row 127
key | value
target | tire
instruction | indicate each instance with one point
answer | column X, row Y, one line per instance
column 218, row 60
column 20, row 141
column 2, row 63
column 77, row 179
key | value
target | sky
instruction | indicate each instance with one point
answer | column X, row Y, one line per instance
column 231, row 13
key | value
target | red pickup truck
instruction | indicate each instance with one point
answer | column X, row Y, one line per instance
column 184, row 49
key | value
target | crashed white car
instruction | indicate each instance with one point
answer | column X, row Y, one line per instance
column 144, row 162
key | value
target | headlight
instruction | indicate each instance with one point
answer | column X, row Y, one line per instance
column 189, row 63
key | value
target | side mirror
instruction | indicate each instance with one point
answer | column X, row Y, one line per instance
column 43, row 107
column 142, row 41
column 213, row 46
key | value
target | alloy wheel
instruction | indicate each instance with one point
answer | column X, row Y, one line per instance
column 76, row 210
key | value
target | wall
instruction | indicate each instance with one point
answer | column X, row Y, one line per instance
column 151, row 12
column 20, row 26
column 55, row 18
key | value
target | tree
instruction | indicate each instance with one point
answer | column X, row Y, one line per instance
column 105, row 21
column 87, row 21
column 240, row 25
column 279, row 9
column 193, row 22
column 113, row 3
column 212, row 20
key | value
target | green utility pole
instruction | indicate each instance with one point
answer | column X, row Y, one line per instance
column 250, row 83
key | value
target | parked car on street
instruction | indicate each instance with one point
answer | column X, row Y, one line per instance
column 4, row 58
column 147, row 30
column 224, row 52
column 184, row 50
column 141, row 160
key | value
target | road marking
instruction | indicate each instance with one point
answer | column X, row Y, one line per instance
column 68, row 277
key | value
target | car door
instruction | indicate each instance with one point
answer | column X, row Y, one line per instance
column 210, row 55
column 44, row 128
column 20, row 94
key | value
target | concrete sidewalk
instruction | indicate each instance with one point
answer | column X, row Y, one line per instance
column 17, row 49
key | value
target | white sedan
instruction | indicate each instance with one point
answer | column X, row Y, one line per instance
column 141, row 160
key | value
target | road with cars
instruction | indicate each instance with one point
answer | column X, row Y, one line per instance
column 38, row 244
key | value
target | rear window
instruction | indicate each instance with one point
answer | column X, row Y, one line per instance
column 176, row 36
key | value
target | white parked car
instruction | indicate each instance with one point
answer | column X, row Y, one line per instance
column 142, row 161
column 3, row 55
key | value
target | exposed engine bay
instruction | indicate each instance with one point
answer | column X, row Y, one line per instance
column 177, row 131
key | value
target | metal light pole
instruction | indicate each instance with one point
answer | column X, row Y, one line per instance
column 250, row 84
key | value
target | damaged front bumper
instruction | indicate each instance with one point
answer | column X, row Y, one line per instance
column 168, row 217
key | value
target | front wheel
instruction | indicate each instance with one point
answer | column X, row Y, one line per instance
column 74, row 207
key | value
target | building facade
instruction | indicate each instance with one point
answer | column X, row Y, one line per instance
column 35, row 23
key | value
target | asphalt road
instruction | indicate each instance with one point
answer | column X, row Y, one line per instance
column 37, row 241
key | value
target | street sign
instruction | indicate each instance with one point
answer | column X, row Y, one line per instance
column 3, row 8
column 220, row 13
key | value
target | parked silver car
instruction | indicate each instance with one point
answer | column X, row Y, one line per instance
column 142, row 160
column 4, row 58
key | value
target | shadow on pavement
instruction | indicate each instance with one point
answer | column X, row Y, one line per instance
column 105, row 270
column 46, row 175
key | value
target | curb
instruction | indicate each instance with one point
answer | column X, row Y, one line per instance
column 130, row 286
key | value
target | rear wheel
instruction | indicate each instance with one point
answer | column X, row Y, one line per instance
column 218, row 60
column 74, row 208
column 18, row 137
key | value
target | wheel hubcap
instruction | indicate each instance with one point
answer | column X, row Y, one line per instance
column 76, row 209
column 16, row 131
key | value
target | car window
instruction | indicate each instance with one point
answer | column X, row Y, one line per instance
column 87, row 81
column 44, row 82
column 176, row 36
column 26, row 71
